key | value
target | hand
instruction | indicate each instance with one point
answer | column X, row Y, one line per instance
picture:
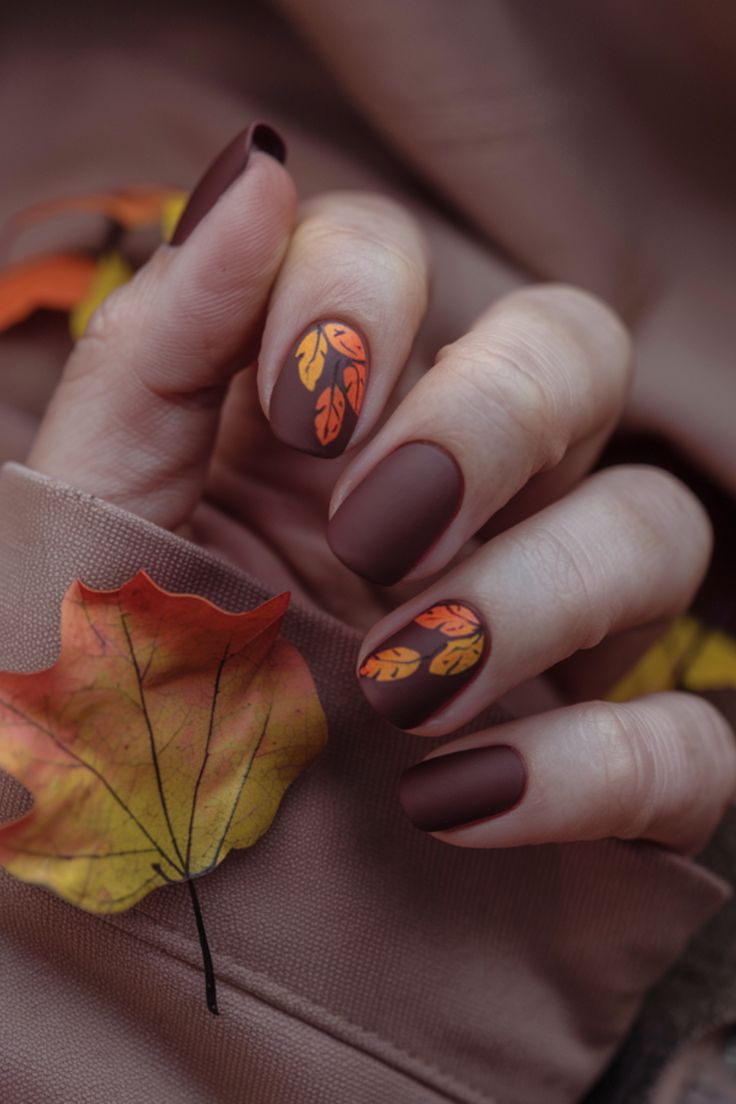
column 153, row 413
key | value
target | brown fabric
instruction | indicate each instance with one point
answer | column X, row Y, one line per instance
column 358, row 960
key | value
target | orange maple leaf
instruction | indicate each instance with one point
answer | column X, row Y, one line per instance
column 165, row 734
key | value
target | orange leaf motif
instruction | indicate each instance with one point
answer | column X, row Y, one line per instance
column 451, row 619
column 330, row 412
column 310, row 354
column 353, row 377
column 391, row 665
column 458, row 655
column 55, row 281
column 165, row 735
column 345, row 340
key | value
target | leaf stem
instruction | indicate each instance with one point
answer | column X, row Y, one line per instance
column 209, row 972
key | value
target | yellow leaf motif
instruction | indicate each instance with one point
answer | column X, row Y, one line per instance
column 458, row 655
column 310, row 354
column 391, row 664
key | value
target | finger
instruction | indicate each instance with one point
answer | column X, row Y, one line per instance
column 628, row 546
column 543, row 369
column 342, row 320
column 136, row 411
column 660, row 768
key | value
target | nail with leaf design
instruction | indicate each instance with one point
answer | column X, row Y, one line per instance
column 320, row 390
column 426, row 663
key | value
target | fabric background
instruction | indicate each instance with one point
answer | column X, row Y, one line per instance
column 357, row 959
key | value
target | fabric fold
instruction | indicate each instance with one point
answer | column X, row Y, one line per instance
column 358, row 958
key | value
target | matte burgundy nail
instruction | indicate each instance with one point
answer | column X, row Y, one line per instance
column 223, row 171
column 462, row 786
column 320, row 389
column 426, row 663
column 391, row 519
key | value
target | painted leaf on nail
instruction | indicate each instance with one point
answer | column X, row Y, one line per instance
column 451, row 618
column 330, row 411
column 458, row 656
column 165, row 734
column 310, row 355
column 391, row 664
column 353, row 378
column 345, row 340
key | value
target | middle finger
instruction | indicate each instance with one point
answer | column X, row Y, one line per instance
column 543, row 371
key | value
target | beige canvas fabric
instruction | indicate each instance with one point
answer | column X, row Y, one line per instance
column 358, row 960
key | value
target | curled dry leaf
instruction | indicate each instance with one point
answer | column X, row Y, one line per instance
column 458, row 655
column 310, row 354
column 165, row 735
column 391, row 664
column 451, row 618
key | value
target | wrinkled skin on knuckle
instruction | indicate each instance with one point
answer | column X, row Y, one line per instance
column 505, row 388
column 628, row 766
column 574, row 581
column 667, row 522
column 351, row 254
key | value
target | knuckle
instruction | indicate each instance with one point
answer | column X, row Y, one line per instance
column 511, row 384
column 570, row 571
column 665, row 760
column 628, row 765
column 668, row 522
column 384, row 237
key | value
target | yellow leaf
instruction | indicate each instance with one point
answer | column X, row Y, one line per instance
column 391, row 664
column 458, row 655
column 165, row 735
column 310, row 354
column 172, row 207
column 111, row 272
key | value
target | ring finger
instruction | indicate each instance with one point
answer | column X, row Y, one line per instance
column 626, row 547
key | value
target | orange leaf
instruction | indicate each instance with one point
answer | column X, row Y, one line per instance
column 310, row 354
column 458, row 655
column 353, row 377
column 330, row 412
column 391, row 665
column 55, row 281
column 131, row 207
column 165, row 735
column 345, row 340
column 451, row 619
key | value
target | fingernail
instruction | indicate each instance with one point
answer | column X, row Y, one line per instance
column 463, row 786
column 391, row 519
column 225, row 169
column 426, row 663
column 319, row 392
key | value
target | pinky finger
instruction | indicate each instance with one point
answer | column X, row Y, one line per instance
column 661, row 768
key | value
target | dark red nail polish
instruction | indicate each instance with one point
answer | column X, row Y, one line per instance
column 391, row 519
column 320, row 389
column 223, row 171
column 463, row 786
column 426, row 663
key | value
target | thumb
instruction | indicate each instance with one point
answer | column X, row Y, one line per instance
column 135, row 414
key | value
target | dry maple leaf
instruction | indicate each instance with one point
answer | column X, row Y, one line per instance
column 165, row 734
